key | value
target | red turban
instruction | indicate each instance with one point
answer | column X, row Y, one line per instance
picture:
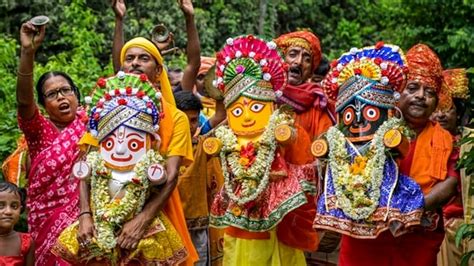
column 304, row 39
column 424, row 66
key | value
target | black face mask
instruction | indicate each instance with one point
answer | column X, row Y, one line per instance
column 361, row 120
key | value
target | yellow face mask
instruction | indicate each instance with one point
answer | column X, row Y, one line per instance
column 248, row 117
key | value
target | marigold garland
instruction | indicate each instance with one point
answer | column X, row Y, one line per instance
column 251, row 180
column 357, row 184
column 110, row 214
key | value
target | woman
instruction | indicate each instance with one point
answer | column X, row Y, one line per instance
column 52, row 197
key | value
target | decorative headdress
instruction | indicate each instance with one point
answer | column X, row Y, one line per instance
column 455, row 85
column 424, row 66
column 151, row 48
column 249, row 66
column 124, row 99
column 304, row 39
column 373, row 74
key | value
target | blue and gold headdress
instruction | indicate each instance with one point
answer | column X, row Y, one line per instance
column 125, row 99
column 373, row 75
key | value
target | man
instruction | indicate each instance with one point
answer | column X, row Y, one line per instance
column 428, row 162
column 302, row 53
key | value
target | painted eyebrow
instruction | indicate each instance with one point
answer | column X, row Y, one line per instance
column 134, row 134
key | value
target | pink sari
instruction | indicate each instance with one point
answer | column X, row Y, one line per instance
column 53, row 196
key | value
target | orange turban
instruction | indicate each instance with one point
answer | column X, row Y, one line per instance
column 455, row 85
column 304, row 39
column 206, row 64
column 424, row 66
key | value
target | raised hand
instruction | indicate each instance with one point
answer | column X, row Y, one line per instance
column 31, row 36
column 119, row 8
column 187, row 7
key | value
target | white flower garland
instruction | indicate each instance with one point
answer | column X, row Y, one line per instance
column 358, row 194
column 107, row 214
column 259, row 171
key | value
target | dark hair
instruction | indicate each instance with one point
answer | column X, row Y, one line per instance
column 186, row 100
column 12, row 188
column 460, row 105
column 323, row 67
column 50, row 74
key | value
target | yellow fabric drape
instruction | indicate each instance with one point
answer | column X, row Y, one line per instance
column 148, row 46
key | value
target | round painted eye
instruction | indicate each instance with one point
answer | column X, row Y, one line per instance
column 108, row 144
column 135, row 145
column 348, row 116
column 257, row 107
column 237, row 111
column 371, row 113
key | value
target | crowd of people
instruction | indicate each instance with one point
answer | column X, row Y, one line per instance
column 266, row 153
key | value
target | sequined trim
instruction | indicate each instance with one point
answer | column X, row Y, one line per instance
column 249, row 87
column 124, row 115
column 197, row 223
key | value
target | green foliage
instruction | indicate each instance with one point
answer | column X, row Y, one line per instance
column 465, row 233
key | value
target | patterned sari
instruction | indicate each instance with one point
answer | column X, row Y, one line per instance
column 52, row 195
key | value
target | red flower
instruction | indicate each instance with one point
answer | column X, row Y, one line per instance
column 128, row 90
column 140, row 94
column 100, row 104
column 143, row 77
column 117, row 92
column 108, row 97
column 251, row 37
column 334, row 63
column 385, row 73
column 248, row 152
column 96, row 116
column 149, row 105
column 379, row 45
column 136, row 180
column 221, row 86
column 335, row 73
column 122, row 101
column 378, row 60
column 258, row 57
column 101, row 82
column 265, row 69
column 357, row 71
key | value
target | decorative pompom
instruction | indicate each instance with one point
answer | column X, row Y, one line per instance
column 102, row 82
column 334, row 63
column 140, row 94
column 214, row 83
column 156, row 127
column 395, row 49
column 263, row 62
column 94, row 132
column 96, row 116
column 354, row 50
column 149, row 111
column 267, row 76
column 378, row 60
column 122, row 101
column 238, row 54
column 339, row 67
column 384, row 65
column 379, row 45
column 384, row 80
column 230, row 41
column 272, row 45
column 158, row 95
column 129, row 90
column 240, row 69
column 121, row 74
column 227, row 59
column 279, row 93
column 251, row 54
column 222, row 68
column 143, row 77
column 396, row 96
column 146, row 98
column 88, row 99
column 107, row 97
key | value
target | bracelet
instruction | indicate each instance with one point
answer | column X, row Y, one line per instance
column 24, row 74
column 83, row 213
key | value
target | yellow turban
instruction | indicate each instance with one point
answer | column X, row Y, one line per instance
column 148, row 46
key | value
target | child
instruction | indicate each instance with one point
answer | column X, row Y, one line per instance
column 15, row 248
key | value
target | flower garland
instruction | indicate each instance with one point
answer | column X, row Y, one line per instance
column 252, row 179
column 357, row 185
column 108, row 213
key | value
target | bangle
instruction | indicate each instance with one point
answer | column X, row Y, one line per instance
column 84, row 213
column 24, row 74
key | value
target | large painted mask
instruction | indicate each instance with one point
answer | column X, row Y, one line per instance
column 364, row 84
column 250, row 72
column 124, row 119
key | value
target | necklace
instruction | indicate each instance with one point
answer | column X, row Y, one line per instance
column 357, row 184
column 249, row 180
column 110, row 213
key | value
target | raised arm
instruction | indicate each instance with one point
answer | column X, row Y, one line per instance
column 193, row 50
column 119, row 9
column 219, row 115
column 24, row 86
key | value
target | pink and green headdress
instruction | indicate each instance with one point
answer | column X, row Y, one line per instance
column 249, row 66
column 374, row 75
column 125, row 99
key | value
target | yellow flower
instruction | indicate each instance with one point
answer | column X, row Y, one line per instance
column 359, row 165
column 243, row 161
column 237, row 211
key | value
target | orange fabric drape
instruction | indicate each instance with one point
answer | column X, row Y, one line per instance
column 173, row 208
column 430, row 158
column 315, row 121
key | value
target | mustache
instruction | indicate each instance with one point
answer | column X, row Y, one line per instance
column 295, row 69
column 132, row 69
column 419, row 103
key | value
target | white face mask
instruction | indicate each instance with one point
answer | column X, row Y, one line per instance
column 124, row 147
